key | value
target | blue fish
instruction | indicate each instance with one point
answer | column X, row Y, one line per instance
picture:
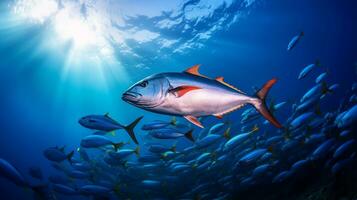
column 341, row 165
column 300, row 165
column 282, row 176
column 348, row 118
column 344, row 149
column 320, row 90
column 261, row 170
column 171, row 133
column 78, row 174
column 96, row 141
column 82, row 166
column 207, row 141
column 252, row 156
column 95, row 190
column 157, row 124
column 56, row 154
column 151, row 183
column 216, row 128
column 64, row 189
column 238, row 139
column 9, row 172
column 158, row 148
column 294, row 41
column 301, row 120
column 322, row 150
column 123, row 153
column 107, row 124
column 308, row 69
column 321, row 78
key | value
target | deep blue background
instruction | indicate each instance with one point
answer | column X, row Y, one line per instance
column 33, row 115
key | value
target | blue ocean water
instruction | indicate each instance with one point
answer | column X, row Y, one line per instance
column 55, row 71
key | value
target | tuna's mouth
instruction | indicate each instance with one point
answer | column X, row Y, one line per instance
column 131, row 97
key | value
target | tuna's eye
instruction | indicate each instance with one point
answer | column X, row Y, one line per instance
column 143, row 84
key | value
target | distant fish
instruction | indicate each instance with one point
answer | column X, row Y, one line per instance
column 294, row 41
column 348, row 118
column 96, row 141
column 171, row 133
column 216, row 128
column 9, row 172
column 158, row 148
column 107, row 124
column 322, row 150
column 308, row 69
column 95, row 190
column 282, row 176
column 344, row 149
column 78, row 174
column 321, row 77
column 56, row 154
column 151, row 184
column 207, row 141
column 342, row 165
column 191, row 95
column 123, row 153
column 317, row 90
column 64, row 189
column 238, row 139
column 251, row 157
column 301, row 120
column 157, row 124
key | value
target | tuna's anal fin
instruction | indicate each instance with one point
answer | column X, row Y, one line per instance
column 182, row 90
column 194, row 120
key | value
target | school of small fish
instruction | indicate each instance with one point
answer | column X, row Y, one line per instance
column 223, row 159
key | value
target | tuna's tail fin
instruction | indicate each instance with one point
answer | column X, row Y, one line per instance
column 130, row 129
column 69, row 157
column 259, row 103
column 189, row 136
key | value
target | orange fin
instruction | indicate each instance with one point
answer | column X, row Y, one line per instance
column 193, row 120
column 182, row 90
column 218, row 116
column 194, row 71
column 221, row 80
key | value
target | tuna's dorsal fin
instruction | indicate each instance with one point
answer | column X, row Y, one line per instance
column 194, row 71
column 221, row 80
column 107, row 115
column 193, row 120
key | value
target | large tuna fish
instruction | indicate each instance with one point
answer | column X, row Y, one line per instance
column 191, row 95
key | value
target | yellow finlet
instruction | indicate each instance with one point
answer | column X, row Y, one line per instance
column 221, row 80
column 112, row 133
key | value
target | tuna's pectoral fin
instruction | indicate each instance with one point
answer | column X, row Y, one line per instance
column 182, row 90
column 194, row 120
